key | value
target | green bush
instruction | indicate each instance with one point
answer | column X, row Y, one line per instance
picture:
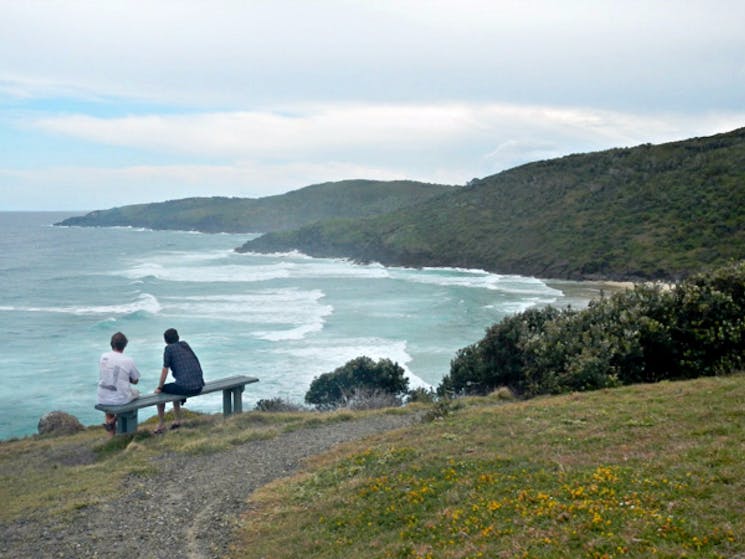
column 618, row 340
column 645, row 334
column 500, row 358
column 335, row 389
column 710, row 327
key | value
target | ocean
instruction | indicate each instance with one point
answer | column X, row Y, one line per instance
column 284, row 318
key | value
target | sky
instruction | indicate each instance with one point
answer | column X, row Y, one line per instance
column 105, row 103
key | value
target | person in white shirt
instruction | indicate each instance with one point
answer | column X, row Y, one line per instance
column 117, row 373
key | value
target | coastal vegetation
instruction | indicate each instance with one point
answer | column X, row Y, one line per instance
column 358, row 379
column 647, row 212
column 645, row 334
column 350, row 199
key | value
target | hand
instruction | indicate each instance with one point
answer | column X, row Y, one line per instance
column 159, row 390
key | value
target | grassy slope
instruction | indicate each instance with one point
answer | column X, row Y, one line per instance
column 642, row 471
column 42, row 476
column 644, row 212
column 351, row 199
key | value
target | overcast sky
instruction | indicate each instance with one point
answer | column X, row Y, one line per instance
column 105, row 103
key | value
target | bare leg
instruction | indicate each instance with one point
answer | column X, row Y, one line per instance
column 111, row 423
column 176, row 413
column 161, row 416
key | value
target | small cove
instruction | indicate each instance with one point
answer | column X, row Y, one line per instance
column 284, row 318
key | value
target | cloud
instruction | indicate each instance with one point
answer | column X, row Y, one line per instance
column 247, row 54
column 377, row 131
column 285, row 132
column 250, row 98
column 252, row 154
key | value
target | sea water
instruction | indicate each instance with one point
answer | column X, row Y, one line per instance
column 284, row 318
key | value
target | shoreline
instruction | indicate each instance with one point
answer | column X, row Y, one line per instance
column 578, row 293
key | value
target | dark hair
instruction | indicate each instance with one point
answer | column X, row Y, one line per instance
column 118, row 341
column 170, row 336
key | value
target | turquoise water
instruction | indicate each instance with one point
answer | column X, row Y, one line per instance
column 284, row 318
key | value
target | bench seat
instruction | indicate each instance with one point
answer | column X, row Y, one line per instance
column 232, row 390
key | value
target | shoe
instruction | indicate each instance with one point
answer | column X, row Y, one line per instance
column 159, row 431
column 175, row 426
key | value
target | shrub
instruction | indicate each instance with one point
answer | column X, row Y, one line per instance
column 421, row 394
column 371, row 399
column 441, row 408
column 618, row 340
column 645, row 334
column 500, row 358
column 710, row 322
column 335, row 389
column 503, row 393
column 278, row 405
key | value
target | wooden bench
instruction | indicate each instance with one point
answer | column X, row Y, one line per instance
column 232, row 390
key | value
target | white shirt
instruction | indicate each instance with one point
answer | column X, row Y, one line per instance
column 116, row 372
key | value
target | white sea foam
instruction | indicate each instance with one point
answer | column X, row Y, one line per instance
column 286, row 335
column 208, row 274
column 233, row 267
column 196, row 256
column 274, row 255
column 342, row 269
column 194, row 269
column 120, row 228
column 325, row 356
column 515, row 307
column 300, row 311
column 144, row 303
column 474, row 278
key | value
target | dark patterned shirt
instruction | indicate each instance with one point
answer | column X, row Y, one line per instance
column 184, row 365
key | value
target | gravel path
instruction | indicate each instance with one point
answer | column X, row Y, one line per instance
column 190, row 507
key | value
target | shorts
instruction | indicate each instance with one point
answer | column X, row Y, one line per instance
column 175, row 388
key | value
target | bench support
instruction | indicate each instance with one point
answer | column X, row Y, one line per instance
column 232, row 400
column 126, row 422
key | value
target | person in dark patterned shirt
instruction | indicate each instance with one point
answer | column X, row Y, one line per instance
column 184, row 365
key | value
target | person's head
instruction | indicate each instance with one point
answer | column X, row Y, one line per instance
column 170, row 336
column 118, row 341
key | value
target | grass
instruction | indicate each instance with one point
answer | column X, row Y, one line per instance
column 641, row 471
column 42, row 476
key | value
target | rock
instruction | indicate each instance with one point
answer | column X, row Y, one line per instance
column 59, row 423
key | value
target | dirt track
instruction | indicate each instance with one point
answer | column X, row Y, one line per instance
column 189, row 508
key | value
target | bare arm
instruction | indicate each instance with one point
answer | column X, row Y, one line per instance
column 163, row 375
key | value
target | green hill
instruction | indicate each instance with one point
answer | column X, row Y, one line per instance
column 648, row 212
column 348, row 199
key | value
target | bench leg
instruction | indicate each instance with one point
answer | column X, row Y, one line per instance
column 232, row 401
column 227, row 403
column 126, row 422
column 238, row 399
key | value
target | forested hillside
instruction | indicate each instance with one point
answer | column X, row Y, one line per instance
column 351, row 199
column 646, row 212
